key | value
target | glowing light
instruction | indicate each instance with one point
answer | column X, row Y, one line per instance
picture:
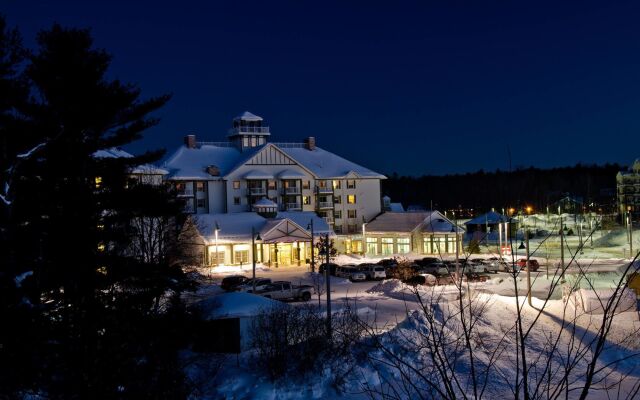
column 98, row 181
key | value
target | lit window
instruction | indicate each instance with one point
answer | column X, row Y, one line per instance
column 272, row 185
column 372, row 245
column 351, row 199
column 306, row 185
column 351, row 184
column 236, row 184
column 241, row 256
column 98, row 182
column 306, row 200
column 200, row 186
column 403, row 245
column 336, row 184
column 101, row 247
column 351, row 213
column 387, row 246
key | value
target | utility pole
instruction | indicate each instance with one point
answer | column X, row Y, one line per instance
column 328, row 280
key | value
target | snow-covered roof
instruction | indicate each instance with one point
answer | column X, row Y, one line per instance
column 191, row 163
column 236, row 304
column 396, row 207
column 401, row 222
column 290, row 174
column 325, row 164
column 438, row 223
column 247, row 116
column 236, row 227
column 257, row 174
column 264, row 203
column 491, row 217
column 114, row 152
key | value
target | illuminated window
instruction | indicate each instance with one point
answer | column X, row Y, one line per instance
column 336, row 184
column 98, row 182
column 241, row 256
column 403, row 245
column 272, row 185
column 101, row 247
column 351, row 199
column 387, row 246
column 372, row 246
column 306, row 200
column 236, row 184
column 306, row 185
column 200, row 186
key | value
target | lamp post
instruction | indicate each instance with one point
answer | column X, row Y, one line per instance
column 364, row 247
column 526, row 247
column 254, row 239
column 630, row 228
column 327, row 278
column 561, row 245
column 313, row 256
column 454, row 229
column 216, row 233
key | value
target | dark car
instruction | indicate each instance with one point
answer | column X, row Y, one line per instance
column 332, row 268
column 533, row 264
column 231, row 282
column 388, row 262
column 427, row 261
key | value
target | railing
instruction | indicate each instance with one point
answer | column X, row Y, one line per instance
column 249, row 129
column 325, row 204
column 328, row 219
column 291, row 190
column 218, row 144
column 325, row 189
column 293, row 206
column 256, row 191
column 289, row 145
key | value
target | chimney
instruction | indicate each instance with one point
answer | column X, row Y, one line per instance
column 190, row 141
column 310, row 143
column 213, row 170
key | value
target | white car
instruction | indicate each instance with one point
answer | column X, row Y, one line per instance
column 373, row 271
column 247, row 287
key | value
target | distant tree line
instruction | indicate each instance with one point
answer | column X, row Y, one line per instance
column 481, row 190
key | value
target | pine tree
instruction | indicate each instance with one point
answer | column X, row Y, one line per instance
column 99, row 245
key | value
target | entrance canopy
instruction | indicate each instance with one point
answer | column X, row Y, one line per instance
column 284, row 231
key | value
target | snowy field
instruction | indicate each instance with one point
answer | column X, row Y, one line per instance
column 392, row 307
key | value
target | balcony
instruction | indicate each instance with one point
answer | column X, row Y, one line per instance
column 324, row 189
column 329, row 220
column 323, row 205
column 263, row 130
column 293, row 206
column 291, row 190
column 186, row 193
column 257, row 191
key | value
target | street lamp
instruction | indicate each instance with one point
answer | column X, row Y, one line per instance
column 216, row 233
column 364, row 231
column 313, row 256
column 254, row 239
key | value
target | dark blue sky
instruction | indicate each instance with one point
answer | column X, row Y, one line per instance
column 396, row 86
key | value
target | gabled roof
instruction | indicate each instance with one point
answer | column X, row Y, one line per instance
column 247, row 116
column 395, row 222
column 236, row 227
column 190, row 164
column 114, row 152
column 491, row 217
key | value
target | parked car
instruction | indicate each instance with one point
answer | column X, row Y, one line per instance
column 472, row 268
column 422, row 279
column 247, row 287
column 388, row 262
column 372, row 271
column 332, row 268
column 283, row 290
column 533, row 264
column 350, row 272
column 435, row 269
column 427, row 261
column 490, row 265
column 230, row 282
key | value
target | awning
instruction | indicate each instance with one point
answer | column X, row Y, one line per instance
column 291, row 174
column 255, row 174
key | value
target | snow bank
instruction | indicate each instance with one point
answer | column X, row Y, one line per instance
column 594, row 301
column 236, row 304
column 389, row 286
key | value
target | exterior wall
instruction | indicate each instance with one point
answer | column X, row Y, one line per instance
column 217, row 197
column 628, row 193
column 395, row 243
column 367, row 206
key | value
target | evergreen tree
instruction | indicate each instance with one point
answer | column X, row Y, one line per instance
column 97, row 245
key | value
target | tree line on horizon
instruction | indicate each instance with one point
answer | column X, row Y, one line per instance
column 592, row 185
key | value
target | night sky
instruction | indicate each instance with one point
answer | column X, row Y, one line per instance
column 396, row 86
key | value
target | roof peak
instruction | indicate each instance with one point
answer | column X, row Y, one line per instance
column 248, row 116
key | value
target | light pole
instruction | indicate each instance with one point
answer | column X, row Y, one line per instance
column 454, row 229
column 313, row 256
column 327, row 278
column 364, row 239
column 523, row 246
column 216, row 233
column 254, row 239
column 561, row 245
column 630, row 227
